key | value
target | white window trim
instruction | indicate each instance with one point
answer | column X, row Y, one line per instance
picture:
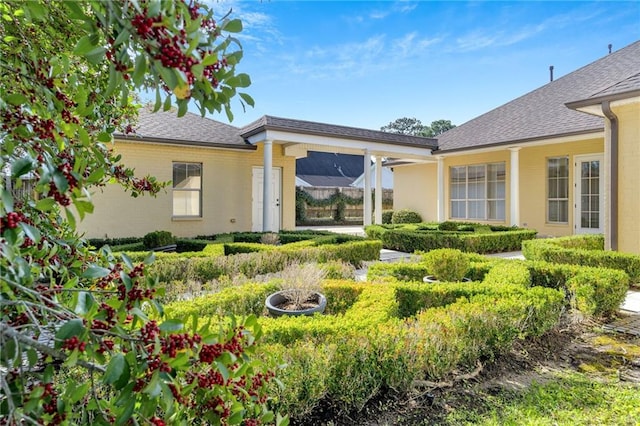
column 199, row 190
column 486, row 198
column 548, row 199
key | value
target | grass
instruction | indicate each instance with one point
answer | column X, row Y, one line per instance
column 567, row 399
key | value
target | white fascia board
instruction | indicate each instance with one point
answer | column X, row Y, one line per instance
column 342, row 144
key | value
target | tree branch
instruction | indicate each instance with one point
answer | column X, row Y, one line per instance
column 10, row 332
column 449, row 383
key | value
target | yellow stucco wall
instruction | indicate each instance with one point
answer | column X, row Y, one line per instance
column 533, row 183
column 415, row 188
column 226, row 192
column 629, row 178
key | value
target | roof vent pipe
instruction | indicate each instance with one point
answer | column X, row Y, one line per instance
column 610, row 46
column 550, row 72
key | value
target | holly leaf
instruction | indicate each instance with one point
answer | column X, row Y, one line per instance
column 21, row 166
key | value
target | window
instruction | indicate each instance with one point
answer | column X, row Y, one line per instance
column 187, row 189
column 558, row 190
column 478, row 191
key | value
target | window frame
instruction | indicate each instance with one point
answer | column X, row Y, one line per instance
column 183, row 190
column 485, row 192
column 557, row 199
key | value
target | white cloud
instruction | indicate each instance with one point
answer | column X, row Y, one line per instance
column 372, row 55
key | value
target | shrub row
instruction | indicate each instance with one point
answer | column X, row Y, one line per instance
column 248, row 299
column 595, row 291
column 202, row 269
column 410, row 241
column 349, row 359
column 582, row 250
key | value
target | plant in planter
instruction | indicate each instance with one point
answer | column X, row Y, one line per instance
column 300, row 291
column 446, row 265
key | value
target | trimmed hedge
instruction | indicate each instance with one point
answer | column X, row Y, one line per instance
column 594, row 291
column 582, row 250
column 385, row 336
column 274, row 259
column 411, row 241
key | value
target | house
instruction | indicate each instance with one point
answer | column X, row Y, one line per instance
column 328, row 169
column 332, row 169
column 563, row 159
column 217, row 173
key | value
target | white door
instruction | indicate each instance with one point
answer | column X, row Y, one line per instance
column 589, row 192
column 257, row 203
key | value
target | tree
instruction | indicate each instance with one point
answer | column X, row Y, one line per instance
column 405, row 126
column 438, row 127
column 413, row 126
column 82, row 338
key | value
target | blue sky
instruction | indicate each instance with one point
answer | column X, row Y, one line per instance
column 364, row 64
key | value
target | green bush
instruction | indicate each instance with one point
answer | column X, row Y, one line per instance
column 582, row 250
column 410, row 241
column 387, row 215
column 447, row 264
column 405, row 216
column 241, row 300
column 448, row 226
column 600, row 291
column 510, row 272
column 139, row 246
column 375, row 231
column 403, row 271
column 158, row 239
column 184, row 245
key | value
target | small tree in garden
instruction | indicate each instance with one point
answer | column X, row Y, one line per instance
column 82, row 339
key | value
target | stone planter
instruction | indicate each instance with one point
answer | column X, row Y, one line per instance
column 276, row 300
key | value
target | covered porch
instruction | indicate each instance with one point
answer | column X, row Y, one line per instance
column 297, row 137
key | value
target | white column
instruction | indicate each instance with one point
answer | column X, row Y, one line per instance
column 440, row 186
column 514, row 185
column 367, row 187
column 378, row 204
column 267, row 188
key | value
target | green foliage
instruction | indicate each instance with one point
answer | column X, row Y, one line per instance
column 569, row 399
column 405, row 216
column 410, row 241
column 448, row 226
column 387, row 215
column 511, row 272
column 184, row 245
column 599, row 292
column 447, row 264
column 158, row 239
column 244, row 300
column 582, row 250
column 68, row 71
column 403, row 271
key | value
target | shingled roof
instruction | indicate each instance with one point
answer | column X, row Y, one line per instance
column 269, row 122
column 191, row 129
column 542, row 113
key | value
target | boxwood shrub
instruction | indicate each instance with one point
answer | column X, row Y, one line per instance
column 411, row 241
column 386, row 335
column 582, row 250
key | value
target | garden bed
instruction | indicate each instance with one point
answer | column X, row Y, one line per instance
column 392, row 335
column 468, row 237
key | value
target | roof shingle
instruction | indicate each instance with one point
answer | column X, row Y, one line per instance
column 269, row 122
column 192, row 129
column 542, row 112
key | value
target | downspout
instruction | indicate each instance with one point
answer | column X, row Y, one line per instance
column 613, row 120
